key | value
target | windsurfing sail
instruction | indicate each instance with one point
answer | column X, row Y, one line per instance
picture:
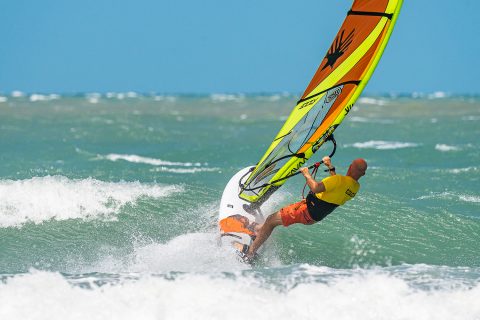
column 336, row 85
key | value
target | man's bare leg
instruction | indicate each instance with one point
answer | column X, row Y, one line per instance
column 265, row 231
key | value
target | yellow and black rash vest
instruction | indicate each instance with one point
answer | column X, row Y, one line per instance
column 338, row 190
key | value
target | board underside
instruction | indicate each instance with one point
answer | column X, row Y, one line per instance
column 237, row 219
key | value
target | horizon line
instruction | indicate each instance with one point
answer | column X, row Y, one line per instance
column 133, row 93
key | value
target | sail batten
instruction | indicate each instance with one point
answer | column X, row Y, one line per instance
column 330, row 95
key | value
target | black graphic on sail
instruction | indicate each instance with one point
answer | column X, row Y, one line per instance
column 338, row 48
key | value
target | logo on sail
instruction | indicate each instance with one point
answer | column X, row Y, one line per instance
column 332, row 96
column 339, row 47
column 265, row 173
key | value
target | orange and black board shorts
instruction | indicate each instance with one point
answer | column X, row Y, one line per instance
column 296, row 213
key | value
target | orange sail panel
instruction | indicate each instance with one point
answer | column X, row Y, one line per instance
column 330, row 95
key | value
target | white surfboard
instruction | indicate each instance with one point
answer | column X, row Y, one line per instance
column 237, row 219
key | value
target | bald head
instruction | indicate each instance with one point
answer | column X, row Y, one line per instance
column 357, row 168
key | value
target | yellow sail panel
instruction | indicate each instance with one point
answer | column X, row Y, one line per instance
column 336, row 85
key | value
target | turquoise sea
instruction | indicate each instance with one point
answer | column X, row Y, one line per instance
column 109, row 203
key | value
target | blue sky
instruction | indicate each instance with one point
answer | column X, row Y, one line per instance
column 251, row 46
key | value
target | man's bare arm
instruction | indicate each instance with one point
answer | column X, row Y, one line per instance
column 315, row 186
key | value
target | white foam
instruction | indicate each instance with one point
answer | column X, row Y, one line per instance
column 3, row 99
column 146, row 160
column 466, row 198
column 50, row 296
column 416, row 95
column 274, row 98
column 93, row 97
column 471, row 118
column 372, row 101
column 17, row 94
column 447, row 195
column 446, row 148
column 462, row 170
column 193, row 252
column 438, row 95
column 221, row 97
column 41, row 97
column 383, row 145
column 183, row 170
column 371, row 120
column 38, row 97
column 40, row 199
column 165, row 98
column 359, row 119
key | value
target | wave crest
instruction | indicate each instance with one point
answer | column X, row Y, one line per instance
column 383, row 145
column 41, row 199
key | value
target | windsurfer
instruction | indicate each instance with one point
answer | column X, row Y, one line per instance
column 323, row 198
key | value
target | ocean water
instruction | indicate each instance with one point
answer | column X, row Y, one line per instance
column 108, row 210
